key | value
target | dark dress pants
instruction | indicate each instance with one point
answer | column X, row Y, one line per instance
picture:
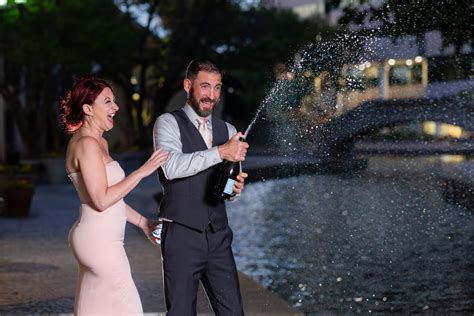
column 190, row 256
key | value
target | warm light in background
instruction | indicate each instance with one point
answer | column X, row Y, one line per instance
column 429, row 128
column 450, row 130
column 452, row 158
column 308, row 74
column 317, row 84
column 391, row 62
column 442, row 129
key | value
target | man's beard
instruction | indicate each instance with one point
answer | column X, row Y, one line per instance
column 195, row 104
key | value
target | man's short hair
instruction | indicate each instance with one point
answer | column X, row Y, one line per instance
column 197, row 65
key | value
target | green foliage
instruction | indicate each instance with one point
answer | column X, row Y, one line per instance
column 70, row 34
column 48, row 43
column 16, row 169
column 247, row 43
column 16, row 176
column 21, row 184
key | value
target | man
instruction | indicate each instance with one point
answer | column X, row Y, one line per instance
column 196, row 239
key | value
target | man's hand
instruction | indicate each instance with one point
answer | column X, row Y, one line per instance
column 234, row 149
column 239, row 184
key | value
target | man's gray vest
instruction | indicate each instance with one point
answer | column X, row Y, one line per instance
column 189, row 201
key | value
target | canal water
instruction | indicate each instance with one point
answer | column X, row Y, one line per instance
column 380, row 241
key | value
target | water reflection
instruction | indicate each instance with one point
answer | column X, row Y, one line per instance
column 384, row 240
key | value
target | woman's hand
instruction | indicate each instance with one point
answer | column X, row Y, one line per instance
column 156, row 160
column 148, row 227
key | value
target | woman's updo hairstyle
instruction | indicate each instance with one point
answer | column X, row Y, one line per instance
column 84, row 91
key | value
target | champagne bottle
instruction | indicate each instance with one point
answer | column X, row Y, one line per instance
column 224, row 186
column 226, row 178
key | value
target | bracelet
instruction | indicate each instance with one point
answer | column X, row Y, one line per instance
column 140, row 220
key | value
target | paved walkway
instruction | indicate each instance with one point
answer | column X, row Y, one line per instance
column 38, row 271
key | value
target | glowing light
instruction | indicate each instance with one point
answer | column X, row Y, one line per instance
column 391, row 62
column 442, row 129
column 317, row 84
column 450, row 130
column 409, row 62
column 429, row 128
column 368, row 64
column 361, row 67
column 418, row 59
column 290, row 75
column 133, row 80
column 135, row 97
column 3, row 3
column 452, row 158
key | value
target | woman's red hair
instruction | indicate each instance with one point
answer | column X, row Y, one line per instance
column 84, row 91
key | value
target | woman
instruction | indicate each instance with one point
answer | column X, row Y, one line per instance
column 105, row 285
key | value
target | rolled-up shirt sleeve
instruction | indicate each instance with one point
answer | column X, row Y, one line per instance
column 179, row 165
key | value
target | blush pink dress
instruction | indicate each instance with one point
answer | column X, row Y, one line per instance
column 105, row 285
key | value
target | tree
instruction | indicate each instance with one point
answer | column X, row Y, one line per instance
column 48, row 43
column 147, row 48
column 246, row 42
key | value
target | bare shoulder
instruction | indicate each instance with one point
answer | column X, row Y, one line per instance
column 86, row 141
column 80, row 148
column 86, row 145
column 81, row 143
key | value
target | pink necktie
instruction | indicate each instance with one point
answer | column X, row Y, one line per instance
column 204, row 130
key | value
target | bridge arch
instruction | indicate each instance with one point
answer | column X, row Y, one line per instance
column 374, row 115
column 338, row 136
